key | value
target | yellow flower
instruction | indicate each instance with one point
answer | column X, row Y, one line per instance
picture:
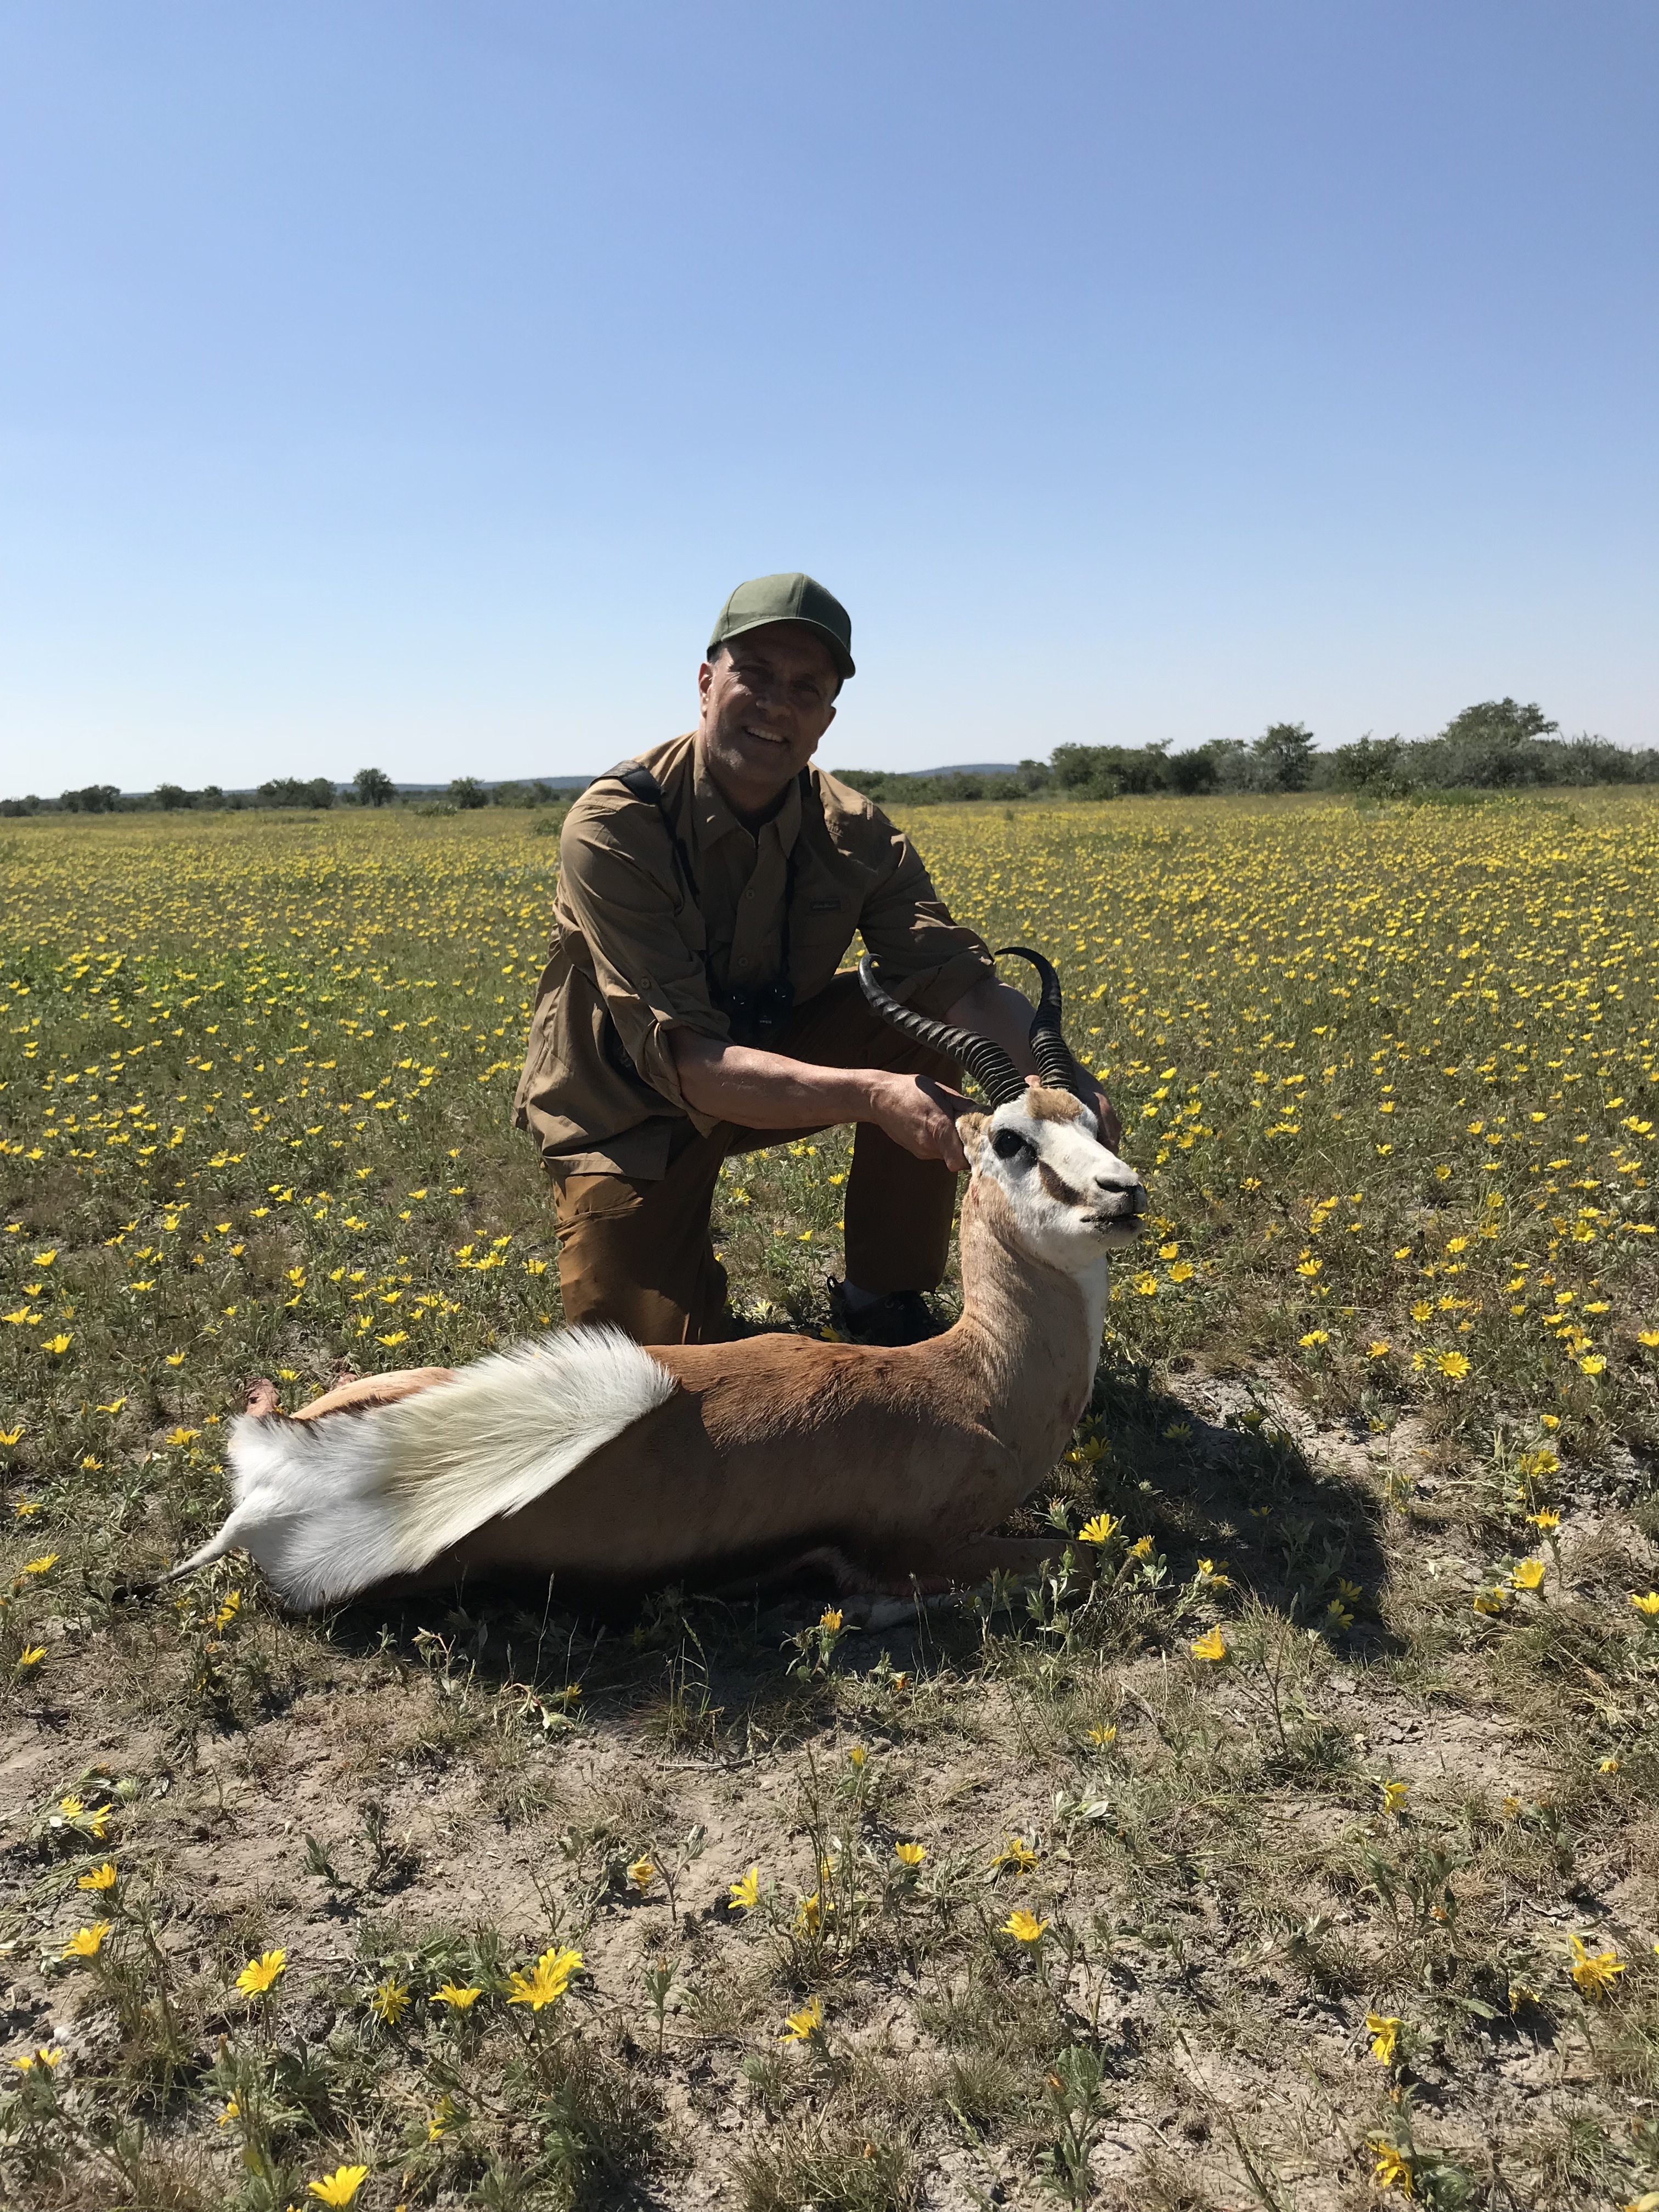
column 45, row 2054
column 1024, row 1927
column 1547, row 1519
column 30, row 1655
column 1378, row 1348
column 1182, row 1271
column 1452, row 1365
column 744, row 1895
column 1393, row 1796
column 1489, row 1601
column 184, row 1435
column 1422, row 1311
column 641, row 1873
column 809, row 1914
column 1528, row 1575
column 175, row 1359
column 1211, row 1645
column 1383, row 2029
column 830, row 1617
column 262, row 1973
column 1100, row 1529
column 1394, row 2168
column 228, row 1611
column 1017, row 1854
column 389, row 2002
column 1608, row 1765
column 14, row 1435
column 1314, row 1336
column 43, row 1566
column 340, row 2186
column 547, row 1981
column 56, row 1346
column 1141, row 1549
column 87, row 1942
column 1649, row 1605
column 801, row 2026
column 1103, row 1736
column 1649, row 1337
column 450, row 1994
column 1592, row 1363
column 101, row 1877
column 910, row 1854
column 1594, row 1971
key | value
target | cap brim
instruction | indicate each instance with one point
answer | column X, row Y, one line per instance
column 845, row 666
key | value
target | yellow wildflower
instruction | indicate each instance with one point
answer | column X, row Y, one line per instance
column 547, row 1981
column 1527, row 1575
column 340, row 2186
column 390, row 2001
column 1383, row 2029
column 87, row 1942
column 262, row 1973
column 1649, row 1605
column 910, row 1854
column 1211, row 1645
column 743, row 1896
column 101, row 1877
column 1393, row 1796
column 801, row 2026
column 453, row 1994
column 1024, row 1927
column 1018, row 1855
column 1392, row 2169
column 1100, row 1529
column 641, row 1873
column 1594, row 1971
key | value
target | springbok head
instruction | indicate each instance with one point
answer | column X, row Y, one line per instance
column 1072, row 1197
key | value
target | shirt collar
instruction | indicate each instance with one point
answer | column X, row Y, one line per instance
column 713, row 819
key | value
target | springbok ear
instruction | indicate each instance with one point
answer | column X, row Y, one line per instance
column 970, row 1127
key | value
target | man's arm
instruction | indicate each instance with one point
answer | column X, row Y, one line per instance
column 999, row 1012
column 765, row 1090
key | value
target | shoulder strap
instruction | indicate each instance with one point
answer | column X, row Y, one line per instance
column 636, row 778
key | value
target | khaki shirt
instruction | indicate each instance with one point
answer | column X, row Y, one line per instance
column 625, row 963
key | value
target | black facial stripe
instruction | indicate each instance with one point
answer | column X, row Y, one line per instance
column 1062, row 1192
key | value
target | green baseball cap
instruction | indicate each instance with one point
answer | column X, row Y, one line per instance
column 792, row 598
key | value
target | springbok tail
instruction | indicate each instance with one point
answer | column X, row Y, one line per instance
column 330, row 1507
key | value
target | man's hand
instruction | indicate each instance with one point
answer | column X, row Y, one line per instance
column 920, row 1114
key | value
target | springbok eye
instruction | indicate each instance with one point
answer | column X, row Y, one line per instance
column 1008, row 1145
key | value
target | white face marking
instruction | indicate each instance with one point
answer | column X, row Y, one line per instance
column 1074, row 1200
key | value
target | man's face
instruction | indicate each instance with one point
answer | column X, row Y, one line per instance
column 767, row 700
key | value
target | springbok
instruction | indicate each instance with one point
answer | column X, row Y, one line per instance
column 582, row 1456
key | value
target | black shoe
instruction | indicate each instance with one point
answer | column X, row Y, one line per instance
column 902, row 1317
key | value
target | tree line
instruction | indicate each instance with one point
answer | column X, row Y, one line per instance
column 370, row 787
column 1497, row 744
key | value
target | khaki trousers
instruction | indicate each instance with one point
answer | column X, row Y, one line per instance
column 640, row 1255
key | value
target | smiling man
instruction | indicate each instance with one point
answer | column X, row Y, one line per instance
column 694, row 1004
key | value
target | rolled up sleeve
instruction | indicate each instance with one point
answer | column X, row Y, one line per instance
column 638, row 931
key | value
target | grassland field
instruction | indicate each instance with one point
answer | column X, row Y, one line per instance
column 1293, row 1845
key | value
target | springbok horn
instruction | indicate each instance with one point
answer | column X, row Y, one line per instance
column 1055, row 1063
column 986, row 1062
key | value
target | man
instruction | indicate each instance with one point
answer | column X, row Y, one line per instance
column 691, row 1006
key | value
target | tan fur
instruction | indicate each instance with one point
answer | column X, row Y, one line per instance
column 1053, row 1106
column 893, row 1463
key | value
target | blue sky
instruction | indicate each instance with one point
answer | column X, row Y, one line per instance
column 407, row 383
